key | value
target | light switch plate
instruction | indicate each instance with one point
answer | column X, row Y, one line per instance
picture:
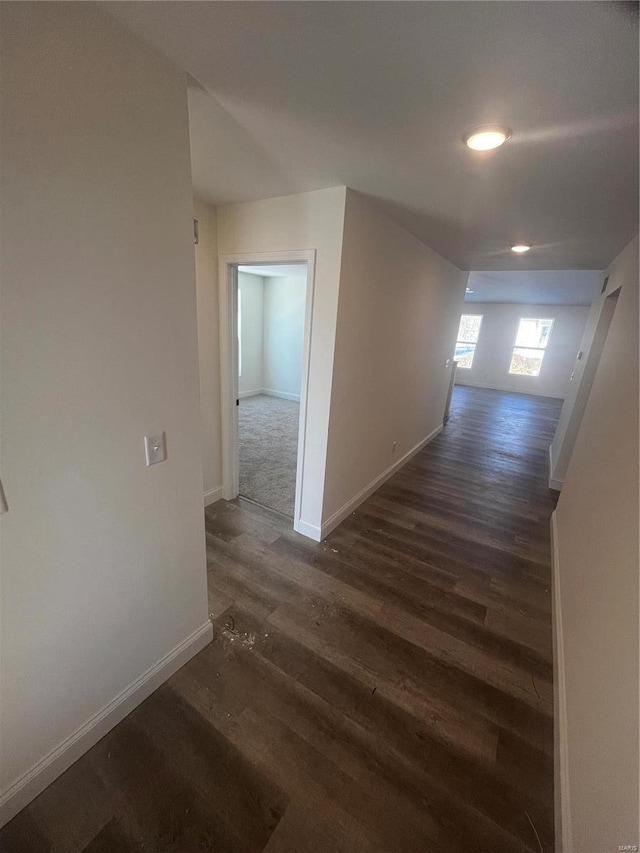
column 155, row 448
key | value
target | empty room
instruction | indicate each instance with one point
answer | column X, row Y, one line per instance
column 271, row 310
column 521, row 331
column 319, row 427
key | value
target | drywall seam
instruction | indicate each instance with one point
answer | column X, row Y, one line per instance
column 213, row 495
column 14, row 798
column 554, row 483
column 563, row 833
column 340, row 515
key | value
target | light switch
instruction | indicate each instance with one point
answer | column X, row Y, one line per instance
column 155, row 448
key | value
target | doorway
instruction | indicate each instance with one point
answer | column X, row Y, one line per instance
column 271, row 302
column 266, row 309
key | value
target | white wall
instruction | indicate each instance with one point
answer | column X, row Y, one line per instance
column 103, row 559
column 252, row 336
column 497, row 338
column 284, row 304
column 398, row 313
column 209, row 348
column 596, row 591
column 579, row 388
column 301, row 222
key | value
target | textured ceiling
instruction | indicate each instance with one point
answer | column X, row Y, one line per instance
column 296, row 96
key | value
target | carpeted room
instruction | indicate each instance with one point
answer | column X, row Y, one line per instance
column 271, row 308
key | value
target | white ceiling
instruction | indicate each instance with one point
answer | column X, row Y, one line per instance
column 295, row 96
column 535, row 287
column 275, row 270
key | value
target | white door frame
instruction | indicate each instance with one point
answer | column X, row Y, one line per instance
column 228, row 299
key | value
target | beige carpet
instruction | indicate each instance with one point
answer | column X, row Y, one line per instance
column 268, row 433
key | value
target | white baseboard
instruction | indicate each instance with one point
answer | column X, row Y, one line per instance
column 269, row 392
column 554, row 484
column 284, row 395
column 18, row 795
column 213, row 495
column 339, row 516
column 532, row 392
column 311, row 531
column 563, row 830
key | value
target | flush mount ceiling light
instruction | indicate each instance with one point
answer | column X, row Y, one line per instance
column 486, row 137
column 520, row 248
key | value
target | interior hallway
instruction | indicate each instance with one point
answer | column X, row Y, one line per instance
column 388, row 689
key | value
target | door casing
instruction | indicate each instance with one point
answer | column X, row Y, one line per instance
column 228, row 303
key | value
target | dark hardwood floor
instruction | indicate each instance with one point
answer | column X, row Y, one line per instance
column 389, row 689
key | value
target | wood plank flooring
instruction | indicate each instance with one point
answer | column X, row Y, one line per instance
column 389, row 689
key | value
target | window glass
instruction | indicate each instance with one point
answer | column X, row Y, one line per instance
column 531, row 342
column 468, row 334
column 464, row 354
column 526, row 362
column 469, row 330
column 533, row 333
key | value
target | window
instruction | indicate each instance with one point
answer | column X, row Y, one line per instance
column 468, row 335
column 531, row 342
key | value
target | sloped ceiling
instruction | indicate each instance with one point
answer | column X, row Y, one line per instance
column 535, row 287
column 295, row 96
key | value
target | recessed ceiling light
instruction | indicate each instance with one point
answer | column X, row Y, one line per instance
column 468, row 290
column 520, row 248
column 486, row 137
